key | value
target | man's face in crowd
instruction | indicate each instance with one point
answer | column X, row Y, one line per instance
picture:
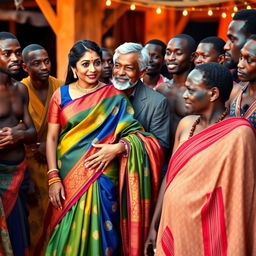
column 156, row 60
column 206, row 53
column 247, row 62
column 236, row 40
column 177, row 56
column 38, row 65
column 107, row 64
column 10, row 56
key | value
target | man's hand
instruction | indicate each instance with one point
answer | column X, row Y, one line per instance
column 104, row 156
column 10, row 136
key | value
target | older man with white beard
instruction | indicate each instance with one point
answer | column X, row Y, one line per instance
column 151, row 108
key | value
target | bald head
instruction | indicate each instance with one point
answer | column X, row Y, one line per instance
column 30, row 48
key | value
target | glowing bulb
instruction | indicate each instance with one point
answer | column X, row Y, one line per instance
column 133, row 7
column 232, row 14
column 108, row 2
column 185, row 13
column 193, row 8
column 235, row 8
column 158, row 10
column 248, row 7
column 223, row 15
column 210, row 13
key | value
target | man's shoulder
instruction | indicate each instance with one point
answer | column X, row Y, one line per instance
column 56, row 81
column 151, row 94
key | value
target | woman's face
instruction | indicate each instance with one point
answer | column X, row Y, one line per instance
column 197, row 95
column 88, row 68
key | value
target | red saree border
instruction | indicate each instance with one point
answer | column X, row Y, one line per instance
column 167, row 242
column 213, row 225
column 10, row 196
column 199, row 142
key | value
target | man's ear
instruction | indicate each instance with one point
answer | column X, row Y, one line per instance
column 24, row 66
column 143, row 72
column 215, row 94
column 221, row 59
column 192, row 57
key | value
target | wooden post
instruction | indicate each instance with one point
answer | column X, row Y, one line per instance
column 75, row 20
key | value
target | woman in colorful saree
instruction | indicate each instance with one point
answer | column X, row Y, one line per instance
column 206, row 204
column 96, row 204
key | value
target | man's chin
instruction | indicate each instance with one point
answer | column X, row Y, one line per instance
column 230, row 64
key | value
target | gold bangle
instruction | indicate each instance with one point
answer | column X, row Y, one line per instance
column 52, row 170
column 54, row 180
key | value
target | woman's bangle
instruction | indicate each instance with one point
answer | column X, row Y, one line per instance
column 126, row 147
column 53, row 170
column 54, row 180
column 53, row 175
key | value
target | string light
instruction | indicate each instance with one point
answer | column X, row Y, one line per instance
column 108, row 2
column 185, row 12
column 223, row 11
column 224, row 15
column 210, row 13
column 232, row 14
column 133, row 7
column 158, row 10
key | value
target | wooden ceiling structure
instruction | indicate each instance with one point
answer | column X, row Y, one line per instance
column 72, row 20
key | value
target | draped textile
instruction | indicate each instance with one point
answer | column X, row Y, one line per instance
column 89, row 222
column 38, row 201
column 209, row 203
column 11, row 177
column 5, row 244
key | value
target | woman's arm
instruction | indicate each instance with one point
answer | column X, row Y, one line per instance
column 56, row 190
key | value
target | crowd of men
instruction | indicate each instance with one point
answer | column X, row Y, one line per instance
column 156, row 96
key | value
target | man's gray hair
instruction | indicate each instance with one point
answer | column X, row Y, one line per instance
column 125, row 48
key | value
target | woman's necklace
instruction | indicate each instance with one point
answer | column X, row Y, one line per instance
column 85, row 91
column 221, row 117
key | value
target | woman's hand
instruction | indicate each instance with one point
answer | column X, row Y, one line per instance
column 104, row 156
column 56, row 193
column 150, row 244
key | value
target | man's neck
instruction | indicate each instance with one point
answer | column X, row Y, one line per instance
column 5, row 79
column 151, row 81
column 39, row 84
column 180, row 79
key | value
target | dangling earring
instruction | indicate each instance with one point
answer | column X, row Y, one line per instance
column 74, row 74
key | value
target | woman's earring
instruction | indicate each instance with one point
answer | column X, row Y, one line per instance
column 74, row 73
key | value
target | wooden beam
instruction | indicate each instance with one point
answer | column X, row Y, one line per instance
column 112, row 18
column 182, row 24
column 49, row 14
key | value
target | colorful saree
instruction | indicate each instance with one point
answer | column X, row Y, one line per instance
column 38, row 112
column 92, row 218
column 11, row 176
column 209, row 205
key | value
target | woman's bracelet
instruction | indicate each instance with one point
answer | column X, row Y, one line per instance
column 53, row 170
column 126, row 147
column 54, row 180
column 53, row 175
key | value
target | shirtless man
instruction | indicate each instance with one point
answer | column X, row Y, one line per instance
column 179, row 61
column 245, row 103
column 16, row 128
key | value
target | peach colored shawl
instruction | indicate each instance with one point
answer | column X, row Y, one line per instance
column 209, row 205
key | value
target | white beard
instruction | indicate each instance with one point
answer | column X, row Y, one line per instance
column 124, row 85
